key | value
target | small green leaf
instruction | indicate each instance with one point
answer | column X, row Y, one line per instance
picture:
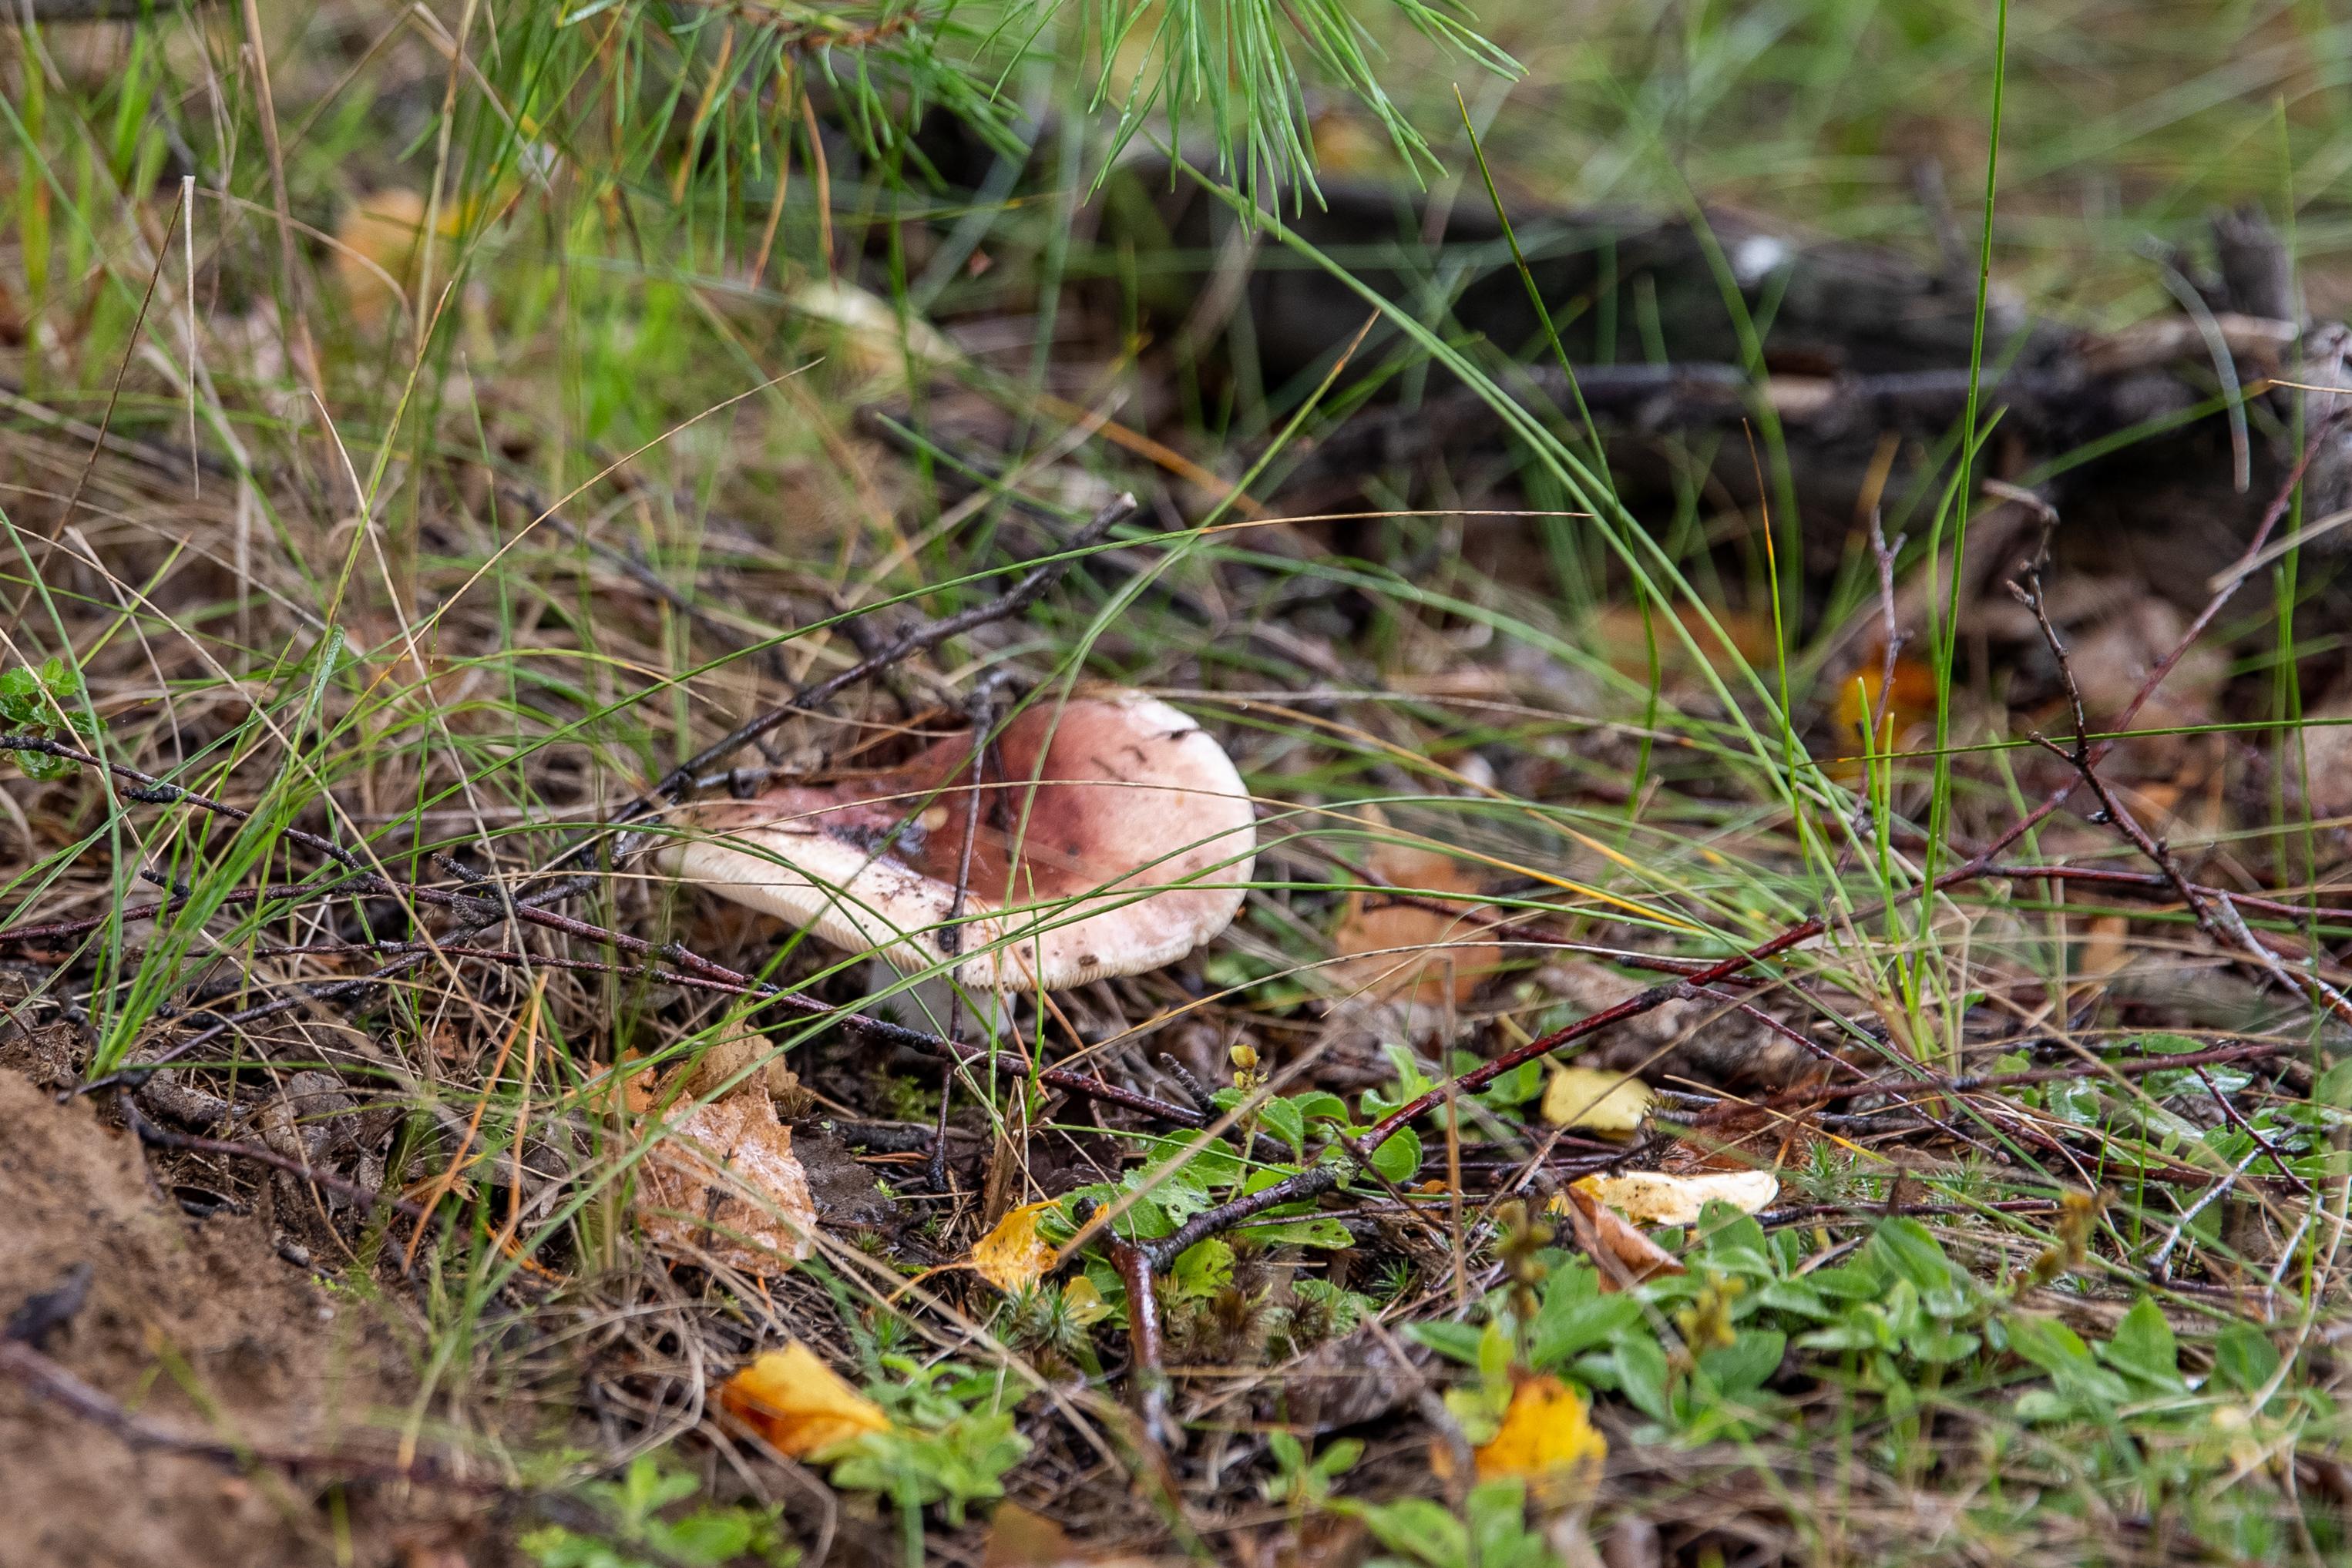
column 1329, row 1234
column 1285, row 1121
column 1202, row 1269
column 1565, row 1328
column 1455, row 1342
column 2245, row 1357
column 1398, row 1159
column 1641, row 1377
column 1517, row 1087
column 1494, row 1356
column 1339, row 1458
column 2144, row 1348
column 1740, row 1367
column 1905, row 1249
column 1320, row 1105
column 2060, row 1352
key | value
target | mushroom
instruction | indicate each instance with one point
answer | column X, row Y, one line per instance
column 1113, row 838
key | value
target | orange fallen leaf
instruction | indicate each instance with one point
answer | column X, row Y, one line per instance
column 1013, row 1255
column 722, row 1183
column 1546, row 1438
column 1905, row 707
column 798, row 1402
column 1613, row 1242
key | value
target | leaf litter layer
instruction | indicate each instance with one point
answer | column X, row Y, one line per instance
column 1745, row 1036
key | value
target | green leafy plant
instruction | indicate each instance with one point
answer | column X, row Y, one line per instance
column 45, row 705
column 635, row 1536
column 948, row 1443
column 1302, row 1478
column 1491, row 1531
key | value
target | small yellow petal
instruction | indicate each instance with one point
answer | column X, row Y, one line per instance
column 1595, row 1101
column 1082, row 1303
column 1014, row 1254
column 798, row 1402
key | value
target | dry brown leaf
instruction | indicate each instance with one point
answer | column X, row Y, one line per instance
column 1020, row 1539
column 2326, row 755
column 1595, row 1101
column 1621, row 637
column 1419, row 959
column 1013, row 1255
column 1742, row 1137
column 722, row 1184
column 1624, row 1255
column 2106, row 947
column 1547, row 1440
column 1662, row 1198
column 798, row 1402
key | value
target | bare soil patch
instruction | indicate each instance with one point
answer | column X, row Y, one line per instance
column 198, row 1325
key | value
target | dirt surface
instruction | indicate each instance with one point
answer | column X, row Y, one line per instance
column 199, row 1326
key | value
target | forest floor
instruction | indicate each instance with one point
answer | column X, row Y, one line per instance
column 1750, row 990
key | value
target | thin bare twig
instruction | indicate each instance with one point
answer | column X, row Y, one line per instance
column 1015, row 599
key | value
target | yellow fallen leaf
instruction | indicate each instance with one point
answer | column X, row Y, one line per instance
column 798, row 1402
column 1014, row 1254
column 1595, row 1101
column 1546, row 1438
column 722, row 1185
column 1660, row 1198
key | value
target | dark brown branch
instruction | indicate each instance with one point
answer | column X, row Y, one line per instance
column 2214, row 917
column 1149, row 1376
column 62, row 930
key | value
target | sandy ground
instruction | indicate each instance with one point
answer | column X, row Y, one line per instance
column 200, row 1327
